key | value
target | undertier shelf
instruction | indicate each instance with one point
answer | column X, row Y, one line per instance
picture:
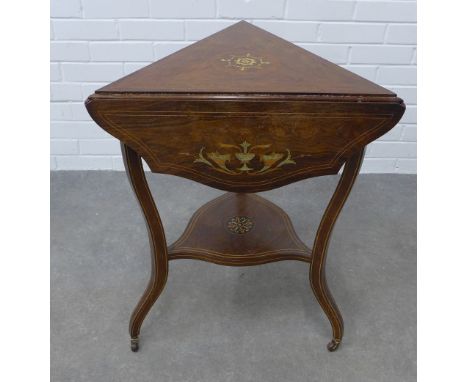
column 240, row 229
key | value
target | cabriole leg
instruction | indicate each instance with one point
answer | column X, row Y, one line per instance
column 159, row 258
column 317, row 276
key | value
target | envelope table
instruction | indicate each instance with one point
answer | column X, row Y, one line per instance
column 243, row 111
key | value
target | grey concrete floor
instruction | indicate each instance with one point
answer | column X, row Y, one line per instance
column 215, row 323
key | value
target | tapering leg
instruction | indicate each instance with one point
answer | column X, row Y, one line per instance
column 159, row 258
column 317, row 277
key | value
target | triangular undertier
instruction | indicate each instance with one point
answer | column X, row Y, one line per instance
column 240, row 229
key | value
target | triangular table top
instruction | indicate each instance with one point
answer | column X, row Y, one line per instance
column 244, row 59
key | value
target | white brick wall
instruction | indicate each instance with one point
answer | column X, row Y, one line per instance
column 94, row 42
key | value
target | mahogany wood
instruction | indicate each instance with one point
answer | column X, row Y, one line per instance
column 159, row 258
column 317, row 276
column 270, row 65
column 239, row 230
column 243, row 111
column 318, row 135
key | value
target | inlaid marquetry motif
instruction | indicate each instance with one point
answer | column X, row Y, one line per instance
column 239, row 224
column 244, row 159
column 245, row 62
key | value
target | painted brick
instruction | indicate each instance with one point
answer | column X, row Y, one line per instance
column 403, row 11
column 368, row 72
column 117, row 164
column 406, row 166
column 319, row 10
column 397, row 75
column 121, row 51
column 410, row 115
column 393, row 135
column 85, row 30
column 63, row 147
column 352, row 33
column 407, row 93
column 99, row 146
column 131, row 67
column 145, row 166
column 377, row 54
column 53, row 163
column 378, row 165
column 90, row 88
column 84, row 162
column 110, row 9
column 197, row 29
column 77, row 129
column 183, row 9
column 260, row 9
column 292, row 31
column 69, row 51
column 391, row 150
column 65, row 92
column 165, row 49
column 60, row 111
column 409, row 133
column 401, row 34
column 337, row 54
column 79, row 112
column 68, row 8
column 55, row 74
column 151, row 30
column 92, row 72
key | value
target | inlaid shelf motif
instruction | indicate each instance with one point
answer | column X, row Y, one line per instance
column 240, row 224
column 245, row 155
column 245, row 62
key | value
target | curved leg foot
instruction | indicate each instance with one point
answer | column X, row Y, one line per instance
column 317, row 277
column 159, row 257
column 134, row 344
column 150, row 296
column 326, row 301
column 333, row 344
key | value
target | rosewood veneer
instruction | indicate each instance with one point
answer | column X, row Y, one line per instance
column 243, row 111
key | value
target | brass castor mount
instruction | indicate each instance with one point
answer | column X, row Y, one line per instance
column 333, row 344
column 134, row 344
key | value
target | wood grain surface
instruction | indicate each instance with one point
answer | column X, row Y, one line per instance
column 243, row 111
column 245, row 59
